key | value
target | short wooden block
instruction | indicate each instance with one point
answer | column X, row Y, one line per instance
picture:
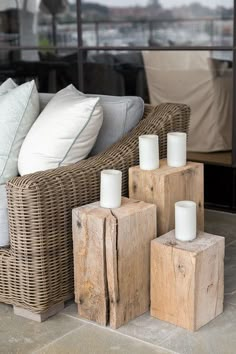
column 39, row 317
column 187, row 279
column 167, row 185
column 112, row 260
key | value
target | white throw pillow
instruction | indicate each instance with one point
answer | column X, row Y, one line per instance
column 64, row 132
column 120, row 115
column 4, row 233
column 9, row 84
column 19, row 110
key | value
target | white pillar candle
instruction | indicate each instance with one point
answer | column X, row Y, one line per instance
column 176, row 149
column 185, row 220
column 148, row 152
column 110, row 189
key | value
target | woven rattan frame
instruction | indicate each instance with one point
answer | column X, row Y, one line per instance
column 37, row 270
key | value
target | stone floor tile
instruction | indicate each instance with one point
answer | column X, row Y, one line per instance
column 22, row 336
column 222, row 224
column 230, row 269
column 93, row 339
column 145, row 327
column 217, row 337
column 71, row 310
column 148, row 329
column 230, row 298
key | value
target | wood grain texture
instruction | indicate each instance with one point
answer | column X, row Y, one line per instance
column 167, row 185
column 117, row 267
column 209, row 284
column 129, row 233
column 91, row 293
column 187, row 279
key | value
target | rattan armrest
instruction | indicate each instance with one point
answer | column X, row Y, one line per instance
column 40, row 207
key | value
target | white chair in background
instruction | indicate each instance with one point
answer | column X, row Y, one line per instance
column 203, row 83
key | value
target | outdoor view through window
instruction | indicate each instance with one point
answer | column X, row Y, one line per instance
column 39, row 39
column 157, row 22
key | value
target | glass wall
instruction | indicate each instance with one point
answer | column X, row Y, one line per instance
column 166, row 51
column 161, row 50
column 157, row 22
column 38, row 39
column 51, row 27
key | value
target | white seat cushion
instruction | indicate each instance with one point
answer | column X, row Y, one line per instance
column 4, row 233
column 19, row 110
column 64, row 132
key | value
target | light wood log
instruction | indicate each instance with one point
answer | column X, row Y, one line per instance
column 91, row 293
column 113, row 257
column 167, row 185
column 187, row 279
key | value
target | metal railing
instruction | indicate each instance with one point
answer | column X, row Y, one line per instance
column 151, row 30
column 152, row 25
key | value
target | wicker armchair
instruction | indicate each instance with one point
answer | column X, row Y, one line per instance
column 36, row 272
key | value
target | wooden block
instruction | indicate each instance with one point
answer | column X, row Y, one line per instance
column 187, row 279
column 91, row 293
column 39, row 317
column 112, row 260
column 167, row 185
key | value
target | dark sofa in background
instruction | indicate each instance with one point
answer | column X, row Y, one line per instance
column 104, row 73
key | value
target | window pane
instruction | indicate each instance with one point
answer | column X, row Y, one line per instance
column 38, row 23
column 200, row 79
column 51, row 71
column 157, row 22
column 115, row 73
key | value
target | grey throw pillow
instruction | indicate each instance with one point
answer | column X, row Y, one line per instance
column 19, row 110
column 121, row 115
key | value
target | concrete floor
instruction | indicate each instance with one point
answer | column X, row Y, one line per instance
column 67, row 333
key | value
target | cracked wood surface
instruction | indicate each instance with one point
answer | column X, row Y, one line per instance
column 91, row 293
column 167, row 185
column 114, row 260
column 187, row 279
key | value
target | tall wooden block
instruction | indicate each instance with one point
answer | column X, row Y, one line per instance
column 187, row 279
column 167, row 185
column 112, row 260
